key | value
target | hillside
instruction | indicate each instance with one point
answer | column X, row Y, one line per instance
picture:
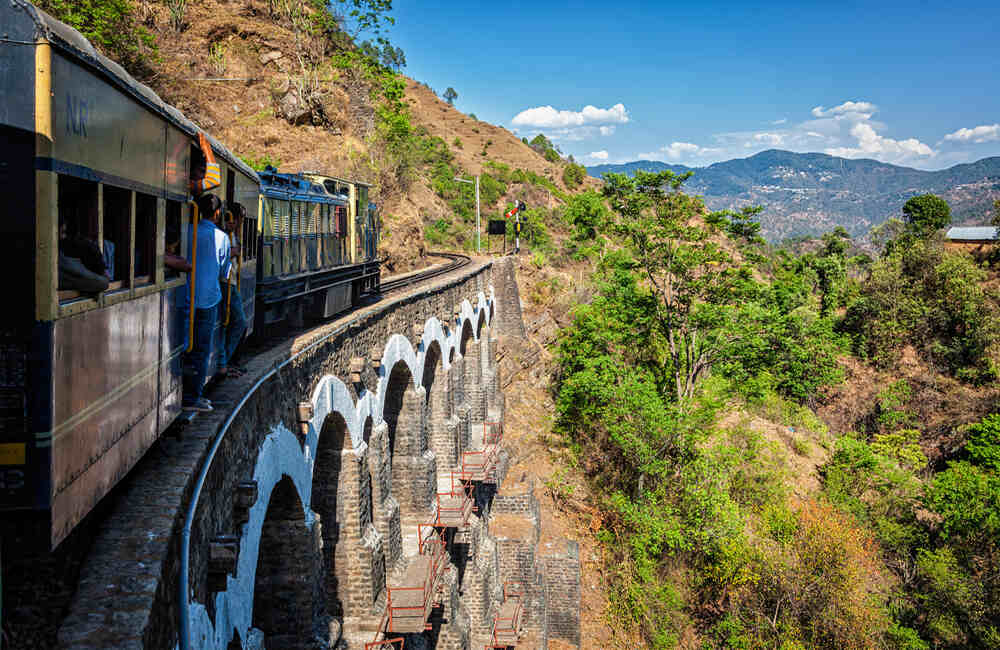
column 279, row 86
column 808, row 194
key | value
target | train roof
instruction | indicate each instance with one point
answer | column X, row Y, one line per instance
column 336, row 178
column 73, row 44
column 295, row 187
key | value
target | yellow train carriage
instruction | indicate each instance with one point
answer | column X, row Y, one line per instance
column 92, row 165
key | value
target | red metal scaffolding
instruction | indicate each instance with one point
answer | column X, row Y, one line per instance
column 507, row 624
column 455, row 507
column 481, row 465
column 409, row 606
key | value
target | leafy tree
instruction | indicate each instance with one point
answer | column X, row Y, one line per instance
column 574, row 174
column 926, row 213
column 110, row 25
column 692, row 278
column 919, row 292
column 544, row 146
column 384, row 53
column 450, row 95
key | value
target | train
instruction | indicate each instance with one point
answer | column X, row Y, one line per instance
column 90, row 379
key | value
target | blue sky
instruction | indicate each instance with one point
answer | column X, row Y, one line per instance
column 909, row 83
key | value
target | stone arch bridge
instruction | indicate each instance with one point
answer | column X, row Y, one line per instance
column 359, row 495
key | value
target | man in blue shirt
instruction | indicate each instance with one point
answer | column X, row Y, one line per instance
column 213, row 264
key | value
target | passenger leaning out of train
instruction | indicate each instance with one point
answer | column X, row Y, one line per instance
column 233, row 316
column 212, row 264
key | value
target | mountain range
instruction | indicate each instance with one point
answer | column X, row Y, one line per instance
column 812, row 193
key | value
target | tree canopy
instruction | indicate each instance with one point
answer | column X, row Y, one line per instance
column 926, row 213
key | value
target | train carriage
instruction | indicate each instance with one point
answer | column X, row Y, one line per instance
column 89, row 379
column 315, row 260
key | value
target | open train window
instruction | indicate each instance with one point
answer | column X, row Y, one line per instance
column 248, row 237
column 172, row 237
column 117, row 240
column 78, row 234
column 145, row 239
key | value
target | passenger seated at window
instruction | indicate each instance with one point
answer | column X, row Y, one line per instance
column 81, row 266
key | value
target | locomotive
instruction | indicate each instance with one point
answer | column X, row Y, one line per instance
column 89, row 380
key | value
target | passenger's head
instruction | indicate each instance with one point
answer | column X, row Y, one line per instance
column 210, row 207
column 234, row 215
column 199, row 167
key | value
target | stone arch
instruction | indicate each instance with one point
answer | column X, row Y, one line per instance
column 480, row 322
column 400, row 381
column 432, row 367
column 331, row 488
column 283, row 595
column 465, row 337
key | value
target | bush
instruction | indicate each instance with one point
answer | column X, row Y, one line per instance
column 573, row 175
column 111, row 26
column 919, row 293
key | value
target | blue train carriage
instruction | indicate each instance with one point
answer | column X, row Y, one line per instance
column 94, row 170
column 312, row 261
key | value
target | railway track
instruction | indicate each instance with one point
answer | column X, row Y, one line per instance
column 457, row 261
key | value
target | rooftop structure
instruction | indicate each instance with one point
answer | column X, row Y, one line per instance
column 972, row 234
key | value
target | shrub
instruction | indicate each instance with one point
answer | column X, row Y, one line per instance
column 111, row 26
column 573, row 175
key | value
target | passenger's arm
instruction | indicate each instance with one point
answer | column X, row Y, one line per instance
column 177, row 263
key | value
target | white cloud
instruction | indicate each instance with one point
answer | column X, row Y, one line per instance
column 813, row 134
column 847, row 110
column 598, row 155
column 608, row 130
column 680, row 151
column 772, row 139
column 978, row 135
column 872, row 145
column 549, row 117
column 779, row 122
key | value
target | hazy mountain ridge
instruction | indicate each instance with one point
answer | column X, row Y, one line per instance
column 812, row 193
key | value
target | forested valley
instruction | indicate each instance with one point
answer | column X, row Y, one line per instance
column 708, row 365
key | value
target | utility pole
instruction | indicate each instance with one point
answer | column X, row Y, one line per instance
column 479, row 247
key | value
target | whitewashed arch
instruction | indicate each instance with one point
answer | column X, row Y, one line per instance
column 281, row 454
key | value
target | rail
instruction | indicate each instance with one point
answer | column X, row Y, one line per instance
column 457, row 261
column 183, row 584
column 386, row 644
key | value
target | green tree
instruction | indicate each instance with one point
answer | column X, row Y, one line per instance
column 450, row 95
column 573, row 175
column 693, row 279
column 110, row 25
column 926, row 213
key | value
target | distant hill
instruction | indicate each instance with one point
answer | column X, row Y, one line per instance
column 811, row 193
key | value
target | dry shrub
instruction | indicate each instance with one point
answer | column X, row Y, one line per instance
column 824, row 586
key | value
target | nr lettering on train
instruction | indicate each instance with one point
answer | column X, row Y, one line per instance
column 91, row 349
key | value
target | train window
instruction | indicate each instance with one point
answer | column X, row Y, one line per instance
column 249, row 239
column 172, row 237
column 340, row 225
column 281, row 218
column 117, row 239
column 145, row 239
column 79, row 228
